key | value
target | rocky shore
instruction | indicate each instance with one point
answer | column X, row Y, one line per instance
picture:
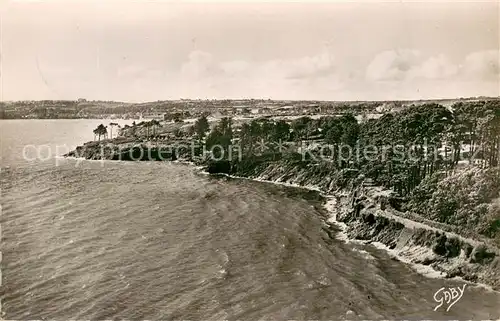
column 369, row 219
column 127, row 149
column 369, row 213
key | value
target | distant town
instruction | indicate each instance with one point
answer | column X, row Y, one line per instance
column 183, row 109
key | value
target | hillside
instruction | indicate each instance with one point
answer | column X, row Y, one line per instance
column 186, row 108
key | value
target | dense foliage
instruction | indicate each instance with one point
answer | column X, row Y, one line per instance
column 417, row 152
column 467, row 198
column 100, row 131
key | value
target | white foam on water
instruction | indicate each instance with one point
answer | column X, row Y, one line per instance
column 420, row 252
column 364, row 254
column 419, row 268
column 331, row 206
column 278, row 182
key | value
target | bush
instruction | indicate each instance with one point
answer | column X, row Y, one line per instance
column 421, row 195
column 463, row 198
column 481, row 255
column 219, row 167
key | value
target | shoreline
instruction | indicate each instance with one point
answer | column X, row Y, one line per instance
column 358, row 217
column 341, row 235
column 341, row 232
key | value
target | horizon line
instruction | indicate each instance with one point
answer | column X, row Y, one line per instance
column 249, row 99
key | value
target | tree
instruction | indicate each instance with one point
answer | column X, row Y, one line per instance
column 146, row 125
column 151, row 124
column 200, row 127
column 267, row 127
column 154, row 124
column 221, row 135
column 281, row 131
column 333, row 133
column 350, row 134
column 246, row 139
column 101, row 130
column 134, row 129
column 350, row 129
column 111, row 125
column 300, row 127
column 227, row 132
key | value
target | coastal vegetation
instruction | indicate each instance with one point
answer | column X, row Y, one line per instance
column 101, row 130
column 111, row 126
column 432, row 164
column 468, row 199
column 440, row 162
column 182, row 109
column 200, row 127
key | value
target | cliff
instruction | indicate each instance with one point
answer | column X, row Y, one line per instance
column 136, row 150
column 369, row 213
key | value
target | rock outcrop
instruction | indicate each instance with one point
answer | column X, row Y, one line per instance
column 369, row 220
column 132, row 150
column 371, row 214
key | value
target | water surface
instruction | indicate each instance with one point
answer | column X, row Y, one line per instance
column 114, row 240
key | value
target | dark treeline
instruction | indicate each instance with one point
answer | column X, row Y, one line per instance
column 441, row 163
column 415, row 152
column 404, row 147
column 438, row 138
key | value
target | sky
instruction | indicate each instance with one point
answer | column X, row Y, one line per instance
column 347, row 50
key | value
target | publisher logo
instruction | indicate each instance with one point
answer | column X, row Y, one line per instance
column 447, row 297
